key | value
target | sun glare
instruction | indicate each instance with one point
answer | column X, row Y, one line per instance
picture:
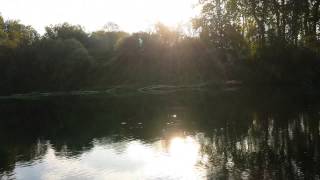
column 130, row 15
column 184, row 151
column 176, row 157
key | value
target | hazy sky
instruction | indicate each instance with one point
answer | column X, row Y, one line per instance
column 130, row 15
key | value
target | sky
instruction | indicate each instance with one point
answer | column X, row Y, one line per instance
column 130, row 15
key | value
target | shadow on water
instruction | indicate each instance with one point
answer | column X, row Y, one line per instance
column 241, row 134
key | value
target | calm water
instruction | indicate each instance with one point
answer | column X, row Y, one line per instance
column 230, row 135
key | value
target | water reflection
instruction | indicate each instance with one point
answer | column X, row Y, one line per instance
column 159, row 137
column 174, row 158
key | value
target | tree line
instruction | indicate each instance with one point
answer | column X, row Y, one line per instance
column 277, row 40
column 257, row 42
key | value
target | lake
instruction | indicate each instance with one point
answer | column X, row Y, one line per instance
column 178, row 135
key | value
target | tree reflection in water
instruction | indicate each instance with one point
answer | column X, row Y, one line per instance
column 177, row 136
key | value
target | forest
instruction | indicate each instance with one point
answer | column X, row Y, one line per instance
column 256, row 43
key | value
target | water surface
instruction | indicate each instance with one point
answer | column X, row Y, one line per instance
column 185, row 135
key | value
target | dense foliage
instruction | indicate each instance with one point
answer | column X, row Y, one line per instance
column 277, row 41
column 257, row 42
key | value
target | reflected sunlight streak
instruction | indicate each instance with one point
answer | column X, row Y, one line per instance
column 184, row 152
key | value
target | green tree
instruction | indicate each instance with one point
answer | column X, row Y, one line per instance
column 67, row 31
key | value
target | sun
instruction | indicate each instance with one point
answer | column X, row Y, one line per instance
column 138, row 15
column 172, row 12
